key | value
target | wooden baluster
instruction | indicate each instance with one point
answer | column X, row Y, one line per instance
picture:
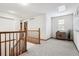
column 25, row 40
column 16, row 46
column 30, row 36
column 0, row 44
column 21, row 37
column 22, row 42
column 39, row 36
column 13, row 45
column 5, row 44
column 9, row 45
column 19, row 42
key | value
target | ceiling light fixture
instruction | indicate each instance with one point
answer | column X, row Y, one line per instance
column 62, row 8
column 24, row 4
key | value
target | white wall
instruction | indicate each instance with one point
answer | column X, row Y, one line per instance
column 7, row 25
column 48, row 26
column 76, row 30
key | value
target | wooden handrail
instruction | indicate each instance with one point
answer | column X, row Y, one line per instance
column 16, row 31
column 6, row 41
column 12, row 32
column 34, row 30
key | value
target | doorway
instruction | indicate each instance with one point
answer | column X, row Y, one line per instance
column 61, row 23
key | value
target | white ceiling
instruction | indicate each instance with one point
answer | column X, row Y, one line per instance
column 34, row 9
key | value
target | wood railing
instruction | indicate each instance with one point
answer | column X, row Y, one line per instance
column 13, row 43
column 33, row 36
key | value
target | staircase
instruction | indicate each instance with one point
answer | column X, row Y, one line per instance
column 15, row 42
column 20, row 46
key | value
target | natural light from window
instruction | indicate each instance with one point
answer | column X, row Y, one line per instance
column 61, row 24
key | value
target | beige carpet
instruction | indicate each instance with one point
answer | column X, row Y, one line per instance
column 52, row 47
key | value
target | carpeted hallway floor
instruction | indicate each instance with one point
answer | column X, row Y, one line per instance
column 52, row 47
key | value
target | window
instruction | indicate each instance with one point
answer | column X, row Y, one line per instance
column 61, row 24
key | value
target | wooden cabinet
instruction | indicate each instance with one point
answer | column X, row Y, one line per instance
column 60, row 35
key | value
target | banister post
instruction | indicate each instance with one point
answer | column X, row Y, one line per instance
column 25, row 29
column 20, row 26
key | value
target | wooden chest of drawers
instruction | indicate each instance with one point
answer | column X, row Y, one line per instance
column 60, row 35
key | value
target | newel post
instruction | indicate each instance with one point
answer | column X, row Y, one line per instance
column 25, row 29
column 21, row 26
